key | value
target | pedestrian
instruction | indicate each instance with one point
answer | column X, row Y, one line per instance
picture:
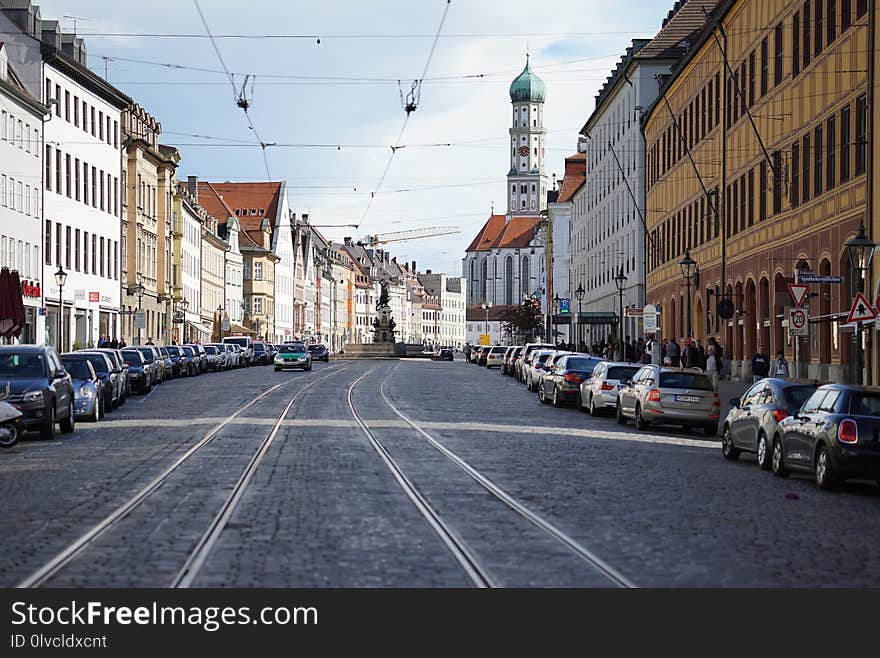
column 101, row 342
column 114, row 344
column 122, row 343
column 760, row 365
column 702, row 355
column 713, row 367
column 780, row 367
column 673, row 352
column 149, row 341
column 692, row 355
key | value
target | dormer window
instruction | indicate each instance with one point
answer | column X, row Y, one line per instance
column 262, row 211
column 253, row 212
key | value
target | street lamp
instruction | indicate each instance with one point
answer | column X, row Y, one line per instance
column 139, row 291
column 220, row 320
column 688, row 267
column 486, row 307
column 555, row 314
column 60, row 279
column 860, row 250
column 620, row 282
column 579, row 295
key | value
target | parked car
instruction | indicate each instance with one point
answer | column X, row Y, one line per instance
column 494, row 356
column 521, row 359
column 200, row 357
column 562, row 379
column 87, row 387
column 480, row 357
column 110, row 382
column 153, row 367
column 177, row 365
column 533, row 370
column 833, row 436
column 232, row 354
column 261, row 354
column 138, row 369
column 754, row 419
column 246, row 343
column 168, row 372
column 293, row 355
column 509, row 356
column 39, row 387
column 216, row 358
column 320, row 353
column 599, row 391
column 189, row 361
column 670, row 396
column 121, row 369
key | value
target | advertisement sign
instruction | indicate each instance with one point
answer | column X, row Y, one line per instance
column 94, row 296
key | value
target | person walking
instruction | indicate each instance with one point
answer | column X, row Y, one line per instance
column 713, row 367
column 780, row 367
column 673, row 352
column 122, row 343
column 691, row 356
column 760, row 365
column 114, row 344
column 701, row 355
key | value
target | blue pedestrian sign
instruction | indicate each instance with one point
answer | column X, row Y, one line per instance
column 564, row 306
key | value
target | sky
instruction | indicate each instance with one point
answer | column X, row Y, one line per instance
column 343, row 94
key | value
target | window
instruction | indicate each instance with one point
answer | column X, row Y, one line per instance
column 818, row 30
column 844, row 143
column 765, row 65
column 76, row 180
column 751, row 95
column 830, row 154
column 741, row 89
column 806, row 168
column 795, row 44
column 94, row 188
column 86, row 252
column 48, row 175
column 58, row 171
column 92, row 120
column 66, row 105
column 86, row 183
column 831, row 21
column 795, row 175
column 777, row 182
column 76, row 111
column 845, row 14
column 58, row 98
column 47, row 244
column 861, row 8
column 717, row 99
column 101, row 126
column 861, row 133
column 777, row 55
column 48, row 90
column 109, row 141
column 102, row 257
column 807, row 44
column 258, row 305
column 817, row 156
column 67, row 177
column 742, row 203
column 85, row 117
column 57, row 243
column 76, row 250
column 258, row 271
column 116, row 134
column 751, row 209
column 67, row 235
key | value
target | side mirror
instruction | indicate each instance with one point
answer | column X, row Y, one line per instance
column 734, row 402
column 59, row 374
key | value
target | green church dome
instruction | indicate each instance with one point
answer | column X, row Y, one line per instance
column 527, row 87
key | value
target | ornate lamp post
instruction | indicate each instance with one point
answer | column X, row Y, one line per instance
column 555, row 313
column 220, row 320
column 139, row 291
column 860, row 250
column 486, row 307
column 60, row 279
column 579, row 295
column 688, row 267
column 620, row 282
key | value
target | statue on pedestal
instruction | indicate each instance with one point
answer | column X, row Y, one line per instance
column 383, row 324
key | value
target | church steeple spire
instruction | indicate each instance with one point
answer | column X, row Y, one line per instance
column 526, row 181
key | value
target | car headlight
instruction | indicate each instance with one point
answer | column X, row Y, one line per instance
column 86, row 391
column 33, row 396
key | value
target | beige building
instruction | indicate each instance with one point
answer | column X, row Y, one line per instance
column 148, row 184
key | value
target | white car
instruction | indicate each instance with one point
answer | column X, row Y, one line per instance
column 534, row 370
column 599, row 392
column 495, row 356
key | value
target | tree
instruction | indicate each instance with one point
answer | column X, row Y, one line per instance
column 525, row 320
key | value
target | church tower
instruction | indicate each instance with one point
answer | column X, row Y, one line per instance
column 526, row 182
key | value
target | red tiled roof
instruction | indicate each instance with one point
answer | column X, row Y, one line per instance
column 497, row 232
column 575, row 176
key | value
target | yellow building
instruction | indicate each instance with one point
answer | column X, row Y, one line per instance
column 797, row 82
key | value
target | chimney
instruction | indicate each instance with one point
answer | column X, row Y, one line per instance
column 428, row 272
column 192, row 186
column 414, row 267
column 347, row 241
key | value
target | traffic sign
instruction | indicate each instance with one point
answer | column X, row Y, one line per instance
column 484, row 339
column 809, row 277
column 226, row 325
column 649, row 315
column 797, row 322
column 565, row 306
column 140, row 319
column 861, row 310
column 798, row 292
column 633, row 312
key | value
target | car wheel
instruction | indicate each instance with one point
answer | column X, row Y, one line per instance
column 96, row 413
column 763, row 452
column 640, row 420
column 728, row 451
column 825, row 477
column 556, row 401
column 69, row 424
column 777, row 460
column 621, row 419
column 542, row 396
column 47, row 431
column 594, row 410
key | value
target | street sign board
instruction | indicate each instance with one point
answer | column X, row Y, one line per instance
column 861, row 310
column 226, row 325
column 633, row 312
column 140, row 319
column 798, row 292
column 484, row 339
column 564, row 306
column 809, row 277
column 94, row 296
column 797, row 322
column 649, row 313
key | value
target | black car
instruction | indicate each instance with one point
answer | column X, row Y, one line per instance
column 319, row 353
column 261, row 354
column 138, row 369
column 104, row 370
column 153, row 366
column 121, row 370
column 833, row 436
column 39, row 387
column 444, row 354
column 190, row 364
column 200, row 357
column 178, row 368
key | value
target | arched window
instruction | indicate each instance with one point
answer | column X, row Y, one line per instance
column 495, row 280
column 525, row 276
column 483, row 274
column 473, row 282
column 508, row 281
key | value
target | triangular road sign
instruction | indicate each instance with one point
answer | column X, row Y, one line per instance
column 798, row 292
column 861, row 310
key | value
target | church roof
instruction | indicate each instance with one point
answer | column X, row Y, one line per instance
column 498, row 233
column 527, row 87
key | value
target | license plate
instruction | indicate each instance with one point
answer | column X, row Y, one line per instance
column 687, row 398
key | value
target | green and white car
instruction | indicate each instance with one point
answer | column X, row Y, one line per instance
column 293, row 355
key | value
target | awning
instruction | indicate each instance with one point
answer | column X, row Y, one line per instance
column 205, row 331
column 239, row 329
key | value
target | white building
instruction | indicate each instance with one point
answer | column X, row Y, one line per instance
column 21, row 228
column 234, row 266
column 82, row 169
column 452, row 296
column 191, row 264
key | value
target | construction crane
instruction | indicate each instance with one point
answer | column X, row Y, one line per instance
column 399, row 236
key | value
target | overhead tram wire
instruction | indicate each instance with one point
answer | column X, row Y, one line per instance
column 397, row 146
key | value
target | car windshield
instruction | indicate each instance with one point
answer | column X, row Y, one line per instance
column 621, row 373
column 293, row 348
column 795, row 396
column 316, row 348
column 173, row 350
column 259, row 347
column 865, row 404
column 696, row 381
column 21, row 364
column 499, row 350
column 188, row 351
column 210, row 349
column 78, row 368
column 148, row 355
column 542, row 358
column 581, row 364
column 133, row 357
column 237, row 341
column 99, row 363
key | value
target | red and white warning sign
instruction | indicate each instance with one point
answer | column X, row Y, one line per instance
column 861, row 310
column 798, row 292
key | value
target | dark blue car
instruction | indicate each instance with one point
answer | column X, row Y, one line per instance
column 319, row 353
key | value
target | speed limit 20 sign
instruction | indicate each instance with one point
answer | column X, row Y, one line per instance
column 797, row 322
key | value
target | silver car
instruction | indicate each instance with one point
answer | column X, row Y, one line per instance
column 599, row 391
column 533, row 369
column 670, row 396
